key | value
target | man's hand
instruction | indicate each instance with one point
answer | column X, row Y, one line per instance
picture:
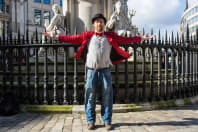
column 49, row 34
column 147, row 37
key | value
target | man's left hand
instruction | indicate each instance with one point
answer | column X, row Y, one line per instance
column 147, row 37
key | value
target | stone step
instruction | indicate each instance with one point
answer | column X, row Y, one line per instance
column 117, row 108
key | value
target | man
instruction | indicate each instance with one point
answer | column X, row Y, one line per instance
column 103, row 52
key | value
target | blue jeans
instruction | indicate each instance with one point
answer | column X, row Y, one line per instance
column 93, row 79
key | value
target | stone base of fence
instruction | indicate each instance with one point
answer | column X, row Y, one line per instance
column 117, row 108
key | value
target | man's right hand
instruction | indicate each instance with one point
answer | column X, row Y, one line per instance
column 49, row 34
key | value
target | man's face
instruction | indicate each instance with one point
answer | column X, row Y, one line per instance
column 99, row 24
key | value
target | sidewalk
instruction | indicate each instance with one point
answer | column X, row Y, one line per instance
column 180, row 119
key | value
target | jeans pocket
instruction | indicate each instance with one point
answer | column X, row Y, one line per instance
column 89, row 74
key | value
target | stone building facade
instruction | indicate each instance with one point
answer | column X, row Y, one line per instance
column 4, row 17
column 189, row 18
column 30, row 15
column 23, row 15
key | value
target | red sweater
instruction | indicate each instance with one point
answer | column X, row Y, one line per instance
column 117, row 54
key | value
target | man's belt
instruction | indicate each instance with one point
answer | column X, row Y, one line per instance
column 99, row 69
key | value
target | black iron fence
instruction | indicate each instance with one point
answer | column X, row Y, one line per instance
column 160, row 69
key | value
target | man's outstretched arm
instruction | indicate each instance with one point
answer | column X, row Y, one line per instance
column 74, row 39
column 127, row 40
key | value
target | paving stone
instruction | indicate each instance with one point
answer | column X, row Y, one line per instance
column 77, row 129
column 67, row 130
column 181, row 119
column 46, row 130
column 138, row 129
column 114, row 131
column 126, row 130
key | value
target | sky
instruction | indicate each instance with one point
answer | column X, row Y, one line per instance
column 158, row 14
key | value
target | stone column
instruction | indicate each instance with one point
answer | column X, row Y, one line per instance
column 65, row 7
column 107, row 7
column 85, row 15
column 110, row 8
column 70, row 11
column 10, row 16
column 66, row 13
column 22, row 17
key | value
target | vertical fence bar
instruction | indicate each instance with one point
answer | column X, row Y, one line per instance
column 4, row 90
column 144, row 98
column 173, row 69
column 159, row 69
column 179, row 89
column 144, row 75
column 3, row 69
column 151, row 76
column 45, row 86
column 19, row 68
column 166, row 90
column 187, row 74
column 36, row 77
column 27, row 71
column 151, row 71
column 65, row 96
column 75, row 80
column 55, row 77
column 135, row 75
column 195, row 71
column 4, row 63
column 117, row 84
column 183, row 68
column 197, row 67
column 75, row 95
column 194, row 65
column 196, row 52
column 11, row 64
column 24, row 90
column 196, row 61
column 1, row 58
column 191, row 68
column 126, row 79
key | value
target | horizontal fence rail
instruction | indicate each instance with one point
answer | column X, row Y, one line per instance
column 44, row 71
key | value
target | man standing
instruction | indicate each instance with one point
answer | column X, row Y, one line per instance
column 103, row 52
